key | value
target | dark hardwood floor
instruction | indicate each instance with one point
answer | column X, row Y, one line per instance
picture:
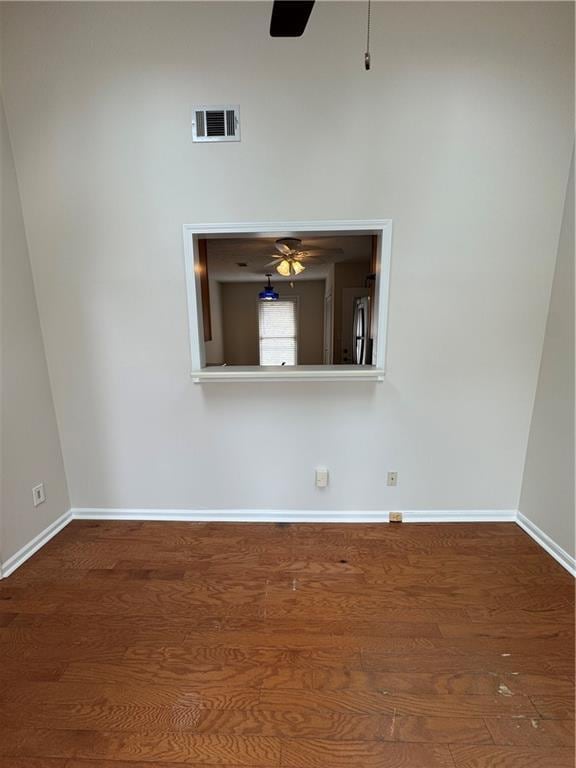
column 131, row 645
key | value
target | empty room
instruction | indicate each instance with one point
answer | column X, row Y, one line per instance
column 287, row 384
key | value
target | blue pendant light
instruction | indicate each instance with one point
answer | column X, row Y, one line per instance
column 268, row 294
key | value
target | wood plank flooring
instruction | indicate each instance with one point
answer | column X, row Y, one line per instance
column 131, row 645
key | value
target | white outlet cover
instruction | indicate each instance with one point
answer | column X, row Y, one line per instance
column 321, row 477
column 38, row 494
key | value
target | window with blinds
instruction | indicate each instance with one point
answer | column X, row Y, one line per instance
column 278, row 332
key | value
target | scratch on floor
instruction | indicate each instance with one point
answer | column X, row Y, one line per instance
column 503, row 690
column 393, row 723
column 265, row 595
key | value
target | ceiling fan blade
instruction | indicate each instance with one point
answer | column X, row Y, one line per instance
column 284, row 249
column 313, row 261
column 274, row 261
column 324, row 251
column 289, row 17
column 306, row 256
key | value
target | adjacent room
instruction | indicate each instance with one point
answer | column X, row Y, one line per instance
column 287, row 384
column 323, row 317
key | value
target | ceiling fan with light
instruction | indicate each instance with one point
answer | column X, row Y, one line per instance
column 290, row 17
column 291, row 255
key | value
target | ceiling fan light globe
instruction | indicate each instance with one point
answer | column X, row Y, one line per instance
column 283, row 268
column 297, row 267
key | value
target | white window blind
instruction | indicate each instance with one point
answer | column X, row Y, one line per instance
column 278, row 332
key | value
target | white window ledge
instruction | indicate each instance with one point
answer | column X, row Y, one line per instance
column 288, row 373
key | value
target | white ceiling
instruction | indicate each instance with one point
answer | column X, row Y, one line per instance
column 224, row 254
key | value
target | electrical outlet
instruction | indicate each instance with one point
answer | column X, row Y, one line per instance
column 38, row 494
column 392, row 478
column 395, row 517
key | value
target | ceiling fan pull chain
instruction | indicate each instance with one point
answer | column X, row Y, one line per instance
column 367, row 54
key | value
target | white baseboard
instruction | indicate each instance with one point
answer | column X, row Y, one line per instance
column 291, row 516
column 233, row 515
column 33, row 546
column 296, row 515
column 541, row 538
column 459, row 516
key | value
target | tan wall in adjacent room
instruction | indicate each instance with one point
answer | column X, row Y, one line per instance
column 240, row 320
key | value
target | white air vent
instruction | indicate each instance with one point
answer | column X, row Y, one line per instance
column 216, row 123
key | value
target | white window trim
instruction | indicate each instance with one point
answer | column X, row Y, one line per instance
column 192, row 232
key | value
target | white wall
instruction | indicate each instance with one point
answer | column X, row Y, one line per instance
column 30, row 445
column 466, row 138
column 547, row 497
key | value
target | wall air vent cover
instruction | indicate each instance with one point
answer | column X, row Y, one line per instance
column 216, row 123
